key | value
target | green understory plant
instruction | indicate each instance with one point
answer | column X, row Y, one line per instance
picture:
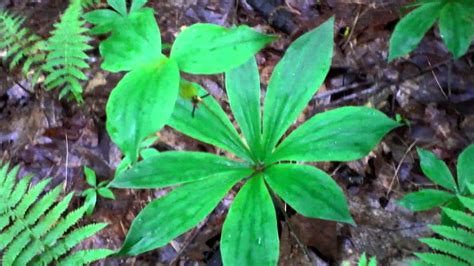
column 66, row 53
column 454, row 244
column 61, row 58
column 363, row 261
column 21, row 46
column 456, row 26
column 32, row 231
column 438, row 172
column 100, row 189
column 143, row 101
column 266, row 167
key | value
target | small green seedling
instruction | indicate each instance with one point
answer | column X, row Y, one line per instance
column 363, row 261
column 438, row 172
column 267, row 166
column 100, row 189
column 456, row 26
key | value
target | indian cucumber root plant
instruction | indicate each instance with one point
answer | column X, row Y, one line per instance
column 266, row 168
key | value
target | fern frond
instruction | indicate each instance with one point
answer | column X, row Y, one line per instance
column 66, row 53
column 21, row 45
column 456, row 245
column 31, row 228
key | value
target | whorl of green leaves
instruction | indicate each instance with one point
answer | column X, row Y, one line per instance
column 66, row 53
column 31, row 228
column 455, row 244
column 20, row 45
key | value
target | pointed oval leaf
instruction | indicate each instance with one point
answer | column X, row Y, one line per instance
column 175, row 168
column 436, row 170
column 243, row 90
column 180, row 210
column 141, row 104
column 309, row 191
column 119, row 5
column 425, row 199
column 90, row 176
column 137, row 5
column 343, row 134
column 211, row 49
column 295, row 79
column 209, row 124
column 465, row 169
column 135, row 41
column 106, row 193
column 250, row 232
column 456, row 27
column 411, row 29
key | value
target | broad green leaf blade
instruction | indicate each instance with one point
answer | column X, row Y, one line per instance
column 141, row 104
column 119, row 5
column 243, row 90
column 211, row 49
column 135, row 42
column 90, row 176
column 425, row 199
column 210, row 123
column 169, row 216
column 106, row 193
column 104, row 19
column 343, row 134
column 295, row 79
column 465, row 168
column 411, row 29
column 175, row 168
column 250, row 232
column 436, row 170
column 456, row 28
column 309, row 191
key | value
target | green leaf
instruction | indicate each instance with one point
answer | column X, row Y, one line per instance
column 119, row 5
column 343, row 134
column 243, row 90
column 104, row 19
column 137, row 5
column 141, row 104
column 90, row 202
column 436, row 170
column 425, row 199
column 295, row 79
column 309, row 191
column 411, row 29
column 90, row 176
column 456, row 28
column 135, row 42
column 106, row 193
column 465, row 169
column 175, row 168
column 180, row 210
column 250, row 232
column 148, row 152
column 210, row 123
column 211, row 49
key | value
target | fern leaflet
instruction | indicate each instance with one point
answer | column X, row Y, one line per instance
column 456, row 244
column 66, row 53
column 35, row 233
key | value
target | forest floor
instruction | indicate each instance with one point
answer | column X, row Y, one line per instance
column 434, row 93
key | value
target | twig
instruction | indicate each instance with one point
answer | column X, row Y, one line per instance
column 189, row 240
column 395, row 175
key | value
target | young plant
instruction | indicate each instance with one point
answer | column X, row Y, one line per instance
column 438, row 172
column 455, row 244
column 96, row 189
column 144, row 99
column 32, row 231
column 456, row 26
column 267, row 167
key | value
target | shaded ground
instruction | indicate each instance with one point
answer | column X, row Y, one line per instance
column 436, row 95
